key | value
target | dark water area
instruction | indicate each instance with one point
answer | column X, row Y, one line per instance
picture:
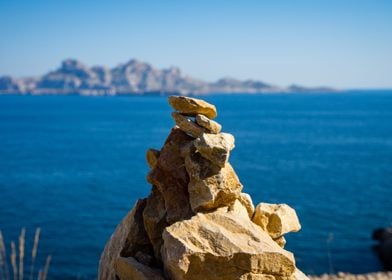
column 75, row 165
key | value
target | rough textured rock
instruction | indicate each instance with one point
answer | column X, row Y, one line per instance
column 253, row 276
column 192, row 106
column 210, row 186
column 131, row 269
column 299, row 275
column 128, row 238
column 276, row 219
column 137, row 239
column 215, row 147
column 196, row 224
column 171, row 177
column 281, row 241
column 246, row 200
column 145, row 258
column 152, row 156
column 210, row 125
column 154, row 216
column 221, row 246
column 187, row 125
column 237, row 209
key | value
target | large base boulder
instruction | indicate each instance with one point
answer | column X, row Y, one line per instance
column 222, row 245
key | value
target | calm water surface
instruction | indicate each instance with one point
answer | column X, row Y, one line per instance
column 75, row 165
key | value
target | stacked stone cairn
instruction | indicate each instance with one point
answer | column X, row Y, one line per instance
column 196, row 223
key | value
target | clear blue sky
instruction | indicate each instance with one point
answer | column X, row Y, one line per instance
column 341, row 43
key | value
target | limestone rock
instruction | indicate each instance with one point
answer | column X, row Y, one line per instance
column 128, row 238
column 192, row 106
column 253, row 276
column 187, row 125
column 154, row 217
column 144, row 258
column 130, row 269
column 215, row 147
column 171, row 177
column 210, row 186
column 210, row 125
column 221, row 246
column 276, row 219
column 281, row 241
column 246, row 200
column 137, row 239
column 237, row 209
column 299, row 275
column 196, row 224
column 152, row 156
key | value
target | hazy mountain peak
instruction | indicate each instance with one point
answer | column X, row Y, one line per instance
column 132, row 77
column 71, row 64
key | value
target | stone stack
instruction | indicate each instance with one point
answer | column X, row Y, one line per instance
column 196, row 223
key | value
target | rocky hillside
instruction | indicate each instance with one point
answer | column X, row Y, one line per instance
column 133, row 77
column 197, row 223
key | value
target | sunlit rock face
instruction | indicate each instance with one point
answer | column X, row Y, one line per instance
column 197, row 223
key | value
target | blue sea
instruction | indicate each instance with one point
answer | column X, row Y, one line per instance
column 74, row 166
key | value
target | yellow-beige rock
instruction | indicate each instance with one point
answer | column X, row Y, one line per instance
column 210, row 186
column 192, row 106
column 252, row 276
column 154, row 217
column 246, row 200
column 221, row 246
column 152, row 156
column 187, row 125
column 297, row 275
column 210, row 125
column 276, row 219
column 129, row 268
column 215, row 147
column 281, row 241
column 196, row 223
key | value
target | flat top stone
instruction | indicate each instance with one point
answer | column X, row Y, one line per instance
column 192, row 106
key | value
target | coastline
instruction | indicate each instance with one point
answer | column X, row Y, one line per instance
column 348, row 276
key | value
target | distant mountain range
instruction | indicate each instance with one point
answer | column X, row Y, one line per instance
column 133, row 77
